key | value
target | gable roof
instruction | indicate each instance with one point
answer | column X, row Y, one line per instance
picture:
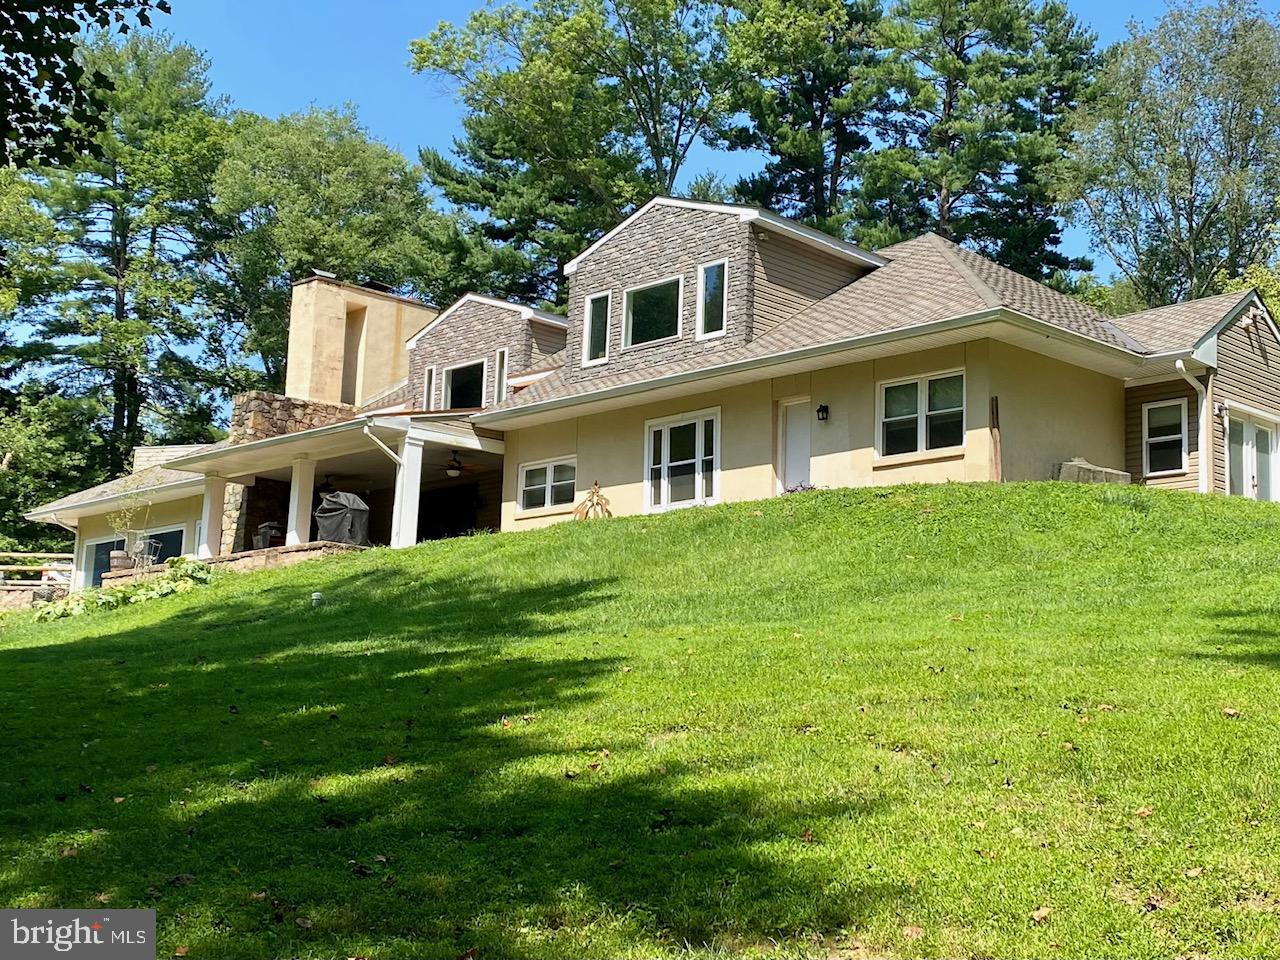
column 532, row 314
column 746, row 214
column 1182, row 326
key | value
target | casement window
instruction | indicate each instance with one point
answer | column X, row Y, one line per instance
column 464, row 386
column 924, row 413
column 652, row 312
column 595, row 332
column 682, row 460
column 1164, row 437
column 500, row 377
column 550, row 483
column 428, row 388
column 713, row 298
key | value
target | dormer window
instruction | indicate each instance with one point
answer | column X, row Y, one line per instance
column 464, row 386
column 595, row 334
column 713, row 298
column 652, row 312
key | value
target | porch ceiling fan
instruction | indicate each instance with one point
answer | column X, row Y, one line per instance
column 453, row 467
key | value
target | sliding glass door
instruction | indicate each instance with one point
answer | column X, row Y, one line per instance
column 1250, row 448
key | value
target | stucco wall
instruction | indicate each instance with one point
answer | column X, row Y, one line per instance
column 610, row 447
column 318, row 340
column 184, row 512
column 1052, row 411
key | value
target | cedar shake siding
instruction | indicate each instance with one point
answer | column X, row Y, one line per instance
column 788, row 276
column 473, row 332
column 1248, row 373
column 662, row 243
column 1134, row 398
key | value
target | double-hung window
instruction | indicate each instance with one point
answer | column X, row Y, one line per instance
column 682, row 458
column 1164, row 437
column 924, row 413
column 595, row 333
column 713, row 298
column 652, row 312
column 547, row 484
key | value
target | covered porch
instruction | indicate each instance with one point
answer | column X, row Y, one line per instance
column 422, row 477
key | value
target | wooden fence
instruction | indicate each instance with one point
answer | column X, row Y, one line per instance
column 35, row 569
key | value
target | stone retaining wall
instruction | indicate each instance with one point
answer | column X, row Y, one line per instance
column 244, row 561
column 24, row 598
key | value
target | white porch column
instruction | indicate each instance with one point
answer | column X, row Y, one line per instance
column 301, row 489
column 404, row 512
column 215, row 495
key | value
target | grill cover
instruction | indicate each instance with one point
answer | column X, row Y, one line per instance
column 343, row 518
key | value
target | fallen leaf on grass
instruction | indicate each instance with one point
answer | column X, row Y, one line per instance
column 303, row 922
column 1192, row 872
column 68, row 852
column 118, row 799
column 390, row 760
column 912, row 933
column 807, row 836
column 1040, row 914
column 571, row 774
column 468, row 955
column 152, row 768
column 181, row 951
column 1143, row 812
column 1230, row 712
column 1106, row 707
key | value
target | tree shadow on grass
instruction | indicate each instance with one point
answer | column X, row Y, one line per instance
column 1248, row 636
column 390, row 779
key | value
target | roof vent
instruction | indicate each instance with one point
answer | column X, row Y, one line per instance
column 324, row 273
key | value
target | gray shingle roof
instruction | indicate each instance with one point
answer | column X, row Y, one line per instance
column 139, row 483
column 1181, row 325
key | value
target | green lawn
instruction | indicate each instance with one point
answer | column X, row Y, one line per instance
column 891, row 722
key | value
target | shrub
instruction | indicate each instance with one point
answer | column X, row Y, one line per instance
column 181, row 574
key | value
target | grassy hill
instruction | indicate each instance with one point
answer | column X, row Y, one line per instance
column 1031, row 720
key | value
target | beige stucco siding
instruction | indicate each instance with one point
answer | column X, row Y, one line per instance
column 1134, row 399
column 610, row 447
column 1051, row 411
column 157, row 516
column 1248, row 373
column 339, row 334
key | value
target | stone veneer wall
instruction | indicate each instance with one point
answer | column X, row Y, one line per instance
column 257, row 415
column 663, row 243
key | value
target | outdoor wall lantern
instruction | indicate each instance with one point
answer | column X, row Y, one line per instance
column 823, row 413
column 453, row 466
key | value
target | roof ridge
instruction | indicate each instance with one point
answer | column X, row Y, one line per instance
column 948, row 250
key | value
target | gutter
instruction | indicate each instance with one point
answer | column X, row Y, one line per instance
column 42, row 516
column 497, row 415
column 1202, row 422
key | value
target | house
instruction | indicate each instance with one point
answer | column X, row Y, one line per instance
column 711, row 353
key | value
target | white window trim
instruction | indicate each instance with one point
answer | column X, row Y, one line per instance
column 1247, row 416
column 695, row 416
column 80, row 575
column 626, row 313
column 500, row 360
column 428, row 388
column 548, row 508
column 586, row 328
column 1146, row 439
column 446, row 381
column 700, row 333
column 922, row 409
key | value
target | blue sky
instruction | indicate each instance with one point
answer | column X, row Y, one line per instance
column 281, row 56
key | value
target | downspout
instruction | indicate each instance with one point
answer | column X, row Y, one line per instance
column 1202, row 421
column 391, row 453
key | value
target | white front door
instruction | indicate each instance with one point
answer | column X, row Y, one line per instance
column 795, row 444
column 1250, row 448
